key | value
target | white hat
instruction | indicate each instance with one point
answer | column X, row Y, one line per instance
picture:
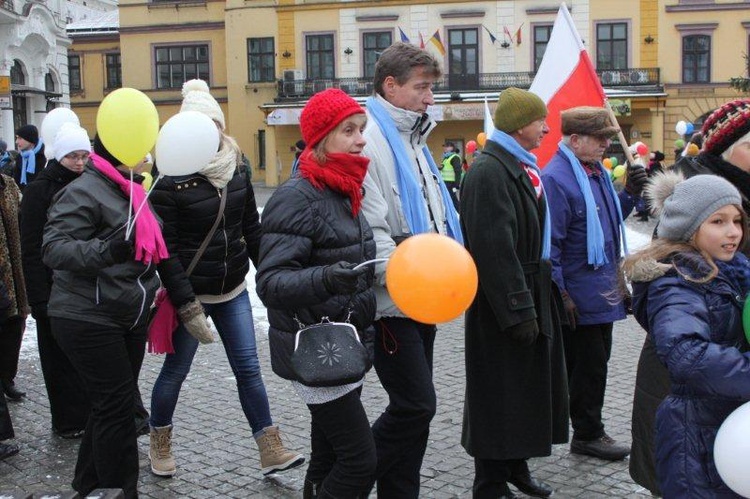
column 69, row 138
column 197, row 97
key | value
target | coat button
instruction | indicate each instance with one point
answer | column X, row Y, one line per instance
column 179, row 186
column 513, row 301
column 195, row 183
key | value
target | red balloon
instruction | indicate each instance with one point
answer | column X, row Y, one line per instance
column 471, row 147
column 642, row 150
column 431, row 278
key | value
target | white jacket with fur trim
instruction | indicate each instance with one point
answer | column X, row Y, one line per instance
column 382, row 205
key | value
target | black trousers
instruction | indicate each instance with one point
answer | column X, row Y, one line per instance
column 403, row 361
column 11, row 335
column 68, row 402
column 491, row 476
column 587, row 351
column 108, row 359
column 343, row 457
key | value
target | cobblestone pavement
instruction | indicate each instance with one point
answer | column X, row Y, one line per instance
column 217, row 456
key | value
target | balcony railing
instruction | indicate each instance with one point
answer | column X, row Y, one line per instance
column 292, row 90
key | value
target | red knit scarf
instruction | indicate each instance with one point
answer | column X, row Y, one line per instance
column 343, row 173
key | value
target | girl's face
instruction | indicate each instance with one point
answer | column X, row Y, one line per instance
column 75, row 161
column 347, row 136
column 720, row 234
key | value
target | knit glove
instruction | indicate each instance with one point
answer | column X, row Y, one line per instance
column 341, row 278
column 636, row 179
column 525, row 332
column 194, row 319
column 121, row 250
column 571, row 310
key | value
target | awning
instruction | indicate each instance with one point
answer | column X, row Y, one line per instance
column 17, row 89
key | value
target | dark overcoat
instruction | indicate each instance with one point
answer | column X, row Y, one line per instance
column 516, row 395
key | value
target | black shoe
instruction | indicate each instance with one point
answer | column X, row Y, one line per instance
column 7, row 450
column 12, row 392
column 530, row 485
column 603, row 447
column 70, row 434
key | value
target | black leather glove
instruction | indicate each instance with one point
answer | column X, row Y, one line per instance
column 571, row 311
column 636, row 179
column 525, row 332
column 341, row 278
column 39, row 311
column 121, row 250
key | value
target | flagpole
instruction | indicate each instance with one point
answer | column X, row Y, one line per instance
column 620, row 135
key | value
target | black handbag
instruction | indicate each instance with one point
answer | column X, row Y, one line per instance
column 329, row 354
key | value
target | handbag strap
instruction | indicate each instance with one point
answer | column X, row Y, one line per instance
column 204, row 244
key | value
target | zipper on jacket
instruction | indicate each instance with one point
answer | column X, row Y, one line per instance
column 97, row 290
column 144, row 292
column 226, row 241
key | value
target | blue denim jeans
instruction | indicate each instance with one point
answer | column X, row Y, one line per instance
column 234, row 322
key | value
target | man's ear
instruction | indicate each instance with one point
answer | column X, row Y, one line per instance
column 389, row 84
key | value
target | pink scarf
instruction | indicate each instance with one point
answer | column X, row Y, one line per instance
column 149, row 243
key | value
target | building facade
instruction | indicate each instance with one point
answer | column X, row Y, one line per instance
column 660, row 61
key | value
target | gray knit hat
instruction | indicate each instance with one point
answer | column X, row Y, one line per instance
column 683, row 205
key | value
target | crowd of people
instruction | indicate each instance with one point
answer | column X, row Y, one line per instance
column 538, row 335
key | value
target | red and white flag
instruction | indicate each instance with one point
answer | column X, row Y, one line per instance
column 566, row 78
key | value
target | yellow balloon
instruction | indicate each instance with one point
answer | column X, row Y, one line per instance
column 481, row 138
column 148, row 180
column 128, row 124
column 618, row 171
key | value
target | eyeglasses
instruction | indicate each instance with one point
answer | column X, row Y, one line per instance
column 77, row 157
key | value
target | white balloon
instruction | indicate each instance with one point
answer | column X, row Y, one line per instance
column 187, row 142
column 51, row 125
column 681, row 127
column 732, row 450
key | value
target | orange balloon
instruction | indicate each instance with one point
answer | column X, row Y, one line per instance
column 481, row 138
column 607, row 163
column 431, row 278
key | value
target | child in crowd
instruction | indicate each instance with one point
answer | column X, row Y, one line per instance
column 689, row 286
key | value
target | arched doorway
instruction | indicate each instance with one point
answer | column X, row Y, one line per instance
column 19, row 104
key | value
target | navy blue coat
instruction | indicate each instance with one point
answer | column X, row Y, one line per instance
column 591, row 288
column 697, row 330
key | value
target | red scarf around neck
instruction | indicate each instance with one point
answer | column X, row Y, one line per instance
column 342, row 172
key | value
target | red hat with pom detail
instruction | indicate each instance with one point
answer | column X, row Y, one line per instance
column 726, row 125
column 323, row 112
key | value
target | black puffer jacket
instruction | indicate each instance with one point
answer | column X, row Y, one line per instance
column 188, row 207
column 304, row 230
column 36, row 200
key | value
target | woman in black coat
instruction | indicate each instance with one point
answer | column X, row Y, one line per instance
column 313, row 236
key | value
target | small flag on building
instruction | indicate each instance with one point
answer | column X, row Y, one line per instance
column 492, row 37
column 404, row 38
column 518, row 35
column 438, row 42
column 421, row 40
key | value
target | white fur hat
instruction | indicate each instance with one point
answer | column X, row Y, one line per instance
column 69, row 138
column 197, row 97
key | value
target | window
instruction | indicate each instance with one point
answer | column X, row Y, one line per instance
column 49, row 86
column 319, row 53
column 262, row 149
column 373, row 44
column 261, row 56
column 177, row 64
column 541, row 38
column 74, row 73
column 463, row 59
column 20, row 114
column 114, row 71
column 611, row 46
column 696, row 59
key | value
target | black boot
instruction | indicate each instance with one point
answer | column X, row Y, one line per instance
column 11, row 391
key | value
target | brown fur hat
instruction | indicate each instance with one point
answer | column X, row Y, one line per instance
column 587, row 120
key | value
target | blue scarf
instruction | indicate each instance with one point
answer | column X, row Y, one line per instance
column 29, row 161
column 412, row 200
column 594, row 233
column 737, row 272
column 514, row 148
